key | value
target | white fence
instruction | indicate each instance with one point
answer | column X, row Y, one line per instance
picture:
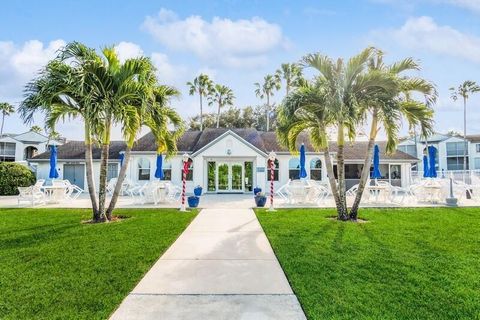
column 465, row 176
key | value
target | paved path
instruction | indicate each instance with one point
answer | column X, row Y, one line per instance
column 221, row 267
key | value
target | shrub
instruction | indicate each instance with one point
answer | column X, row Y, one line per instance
column 13, row 175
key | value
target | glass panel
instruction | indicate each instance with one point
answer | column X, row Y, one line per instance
column 237, row 177
column 223, row 176
column 112, row 171
column 316, row 169
column 211, row 176
column 249, row 176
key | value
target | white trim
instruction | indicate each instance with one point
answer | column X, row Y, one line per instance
column 220, row 137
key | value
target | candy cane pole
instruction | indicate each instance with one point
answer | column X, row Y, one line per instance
column 184, row 181
column 272, row 157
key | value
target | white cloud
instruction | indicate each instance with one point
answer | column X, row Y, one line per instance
column 167, row 72
column 128, row 50
column 423, row 33
column 19, row 64
column 473, row 5
column 238, row 43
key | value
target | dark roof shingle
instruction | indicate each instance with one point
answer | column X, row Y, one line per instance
column 75, row 150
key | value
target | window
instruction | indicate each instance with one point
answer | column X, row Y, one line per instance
column 143, row 169
column 316, row 169
column 455, row 163
column 455, row 148
column 477, row 147
column 275, row 170
column 167, row 170
column 477, row 163
column 112, row 171
column 190, row 171
column 408, row 149
column 294, row 168
column 7, row 149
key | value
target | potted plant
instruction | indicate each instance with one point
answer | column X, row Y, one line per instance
column 257, row 190
column 260, row 199
column 193, row 201
column 197, row 191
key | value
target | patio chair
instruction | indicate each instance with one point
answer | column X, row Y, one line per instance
column 173, row 192
column 282, row 191
column 73, row 191
column 147, row 194
column 30, row 194
column 111, row 186
column 352, row 191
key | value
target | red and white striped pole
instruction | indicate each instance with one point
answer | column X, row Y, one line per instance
column 184, row 181
column 271, row 158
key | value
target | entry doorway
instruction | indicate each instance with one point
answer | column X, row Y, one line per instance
column 75, row 173
column 229, row 176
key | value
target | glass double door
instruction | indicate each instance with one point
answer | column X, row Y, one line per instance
column 230, row 177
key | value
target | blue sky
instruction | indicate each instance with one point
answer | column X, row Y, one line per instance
column 238, row 42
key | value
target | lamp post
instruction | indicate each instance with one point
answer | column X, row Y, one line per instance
column 185, row 159
column 271, row 158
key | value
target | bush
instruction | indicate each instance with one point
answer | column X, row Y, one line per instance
column 13, row 175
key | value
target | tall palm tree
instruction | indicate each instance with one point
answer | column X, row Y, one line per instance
column 386, row 108
column 464, row 91
column 221, row 96
column 36, row 129
column 63, row 91
column 265, row 90
column 164, row 122
column 201, row 85
column 291, row 73
column 6, row 109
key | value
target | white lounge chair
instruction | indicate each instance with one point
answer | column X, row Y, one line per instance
column 31, row 195
column 73, row 191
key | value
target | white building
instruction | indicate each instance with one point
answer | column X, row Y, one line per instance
column 24, row 146
column 223, row 161
column 450, row 151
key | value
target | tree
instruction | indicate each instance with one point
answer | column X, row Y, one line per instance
column 464, row 91
column 332, row 99
column 386, row 107
column 221, row 96
column 36, row 129
column 201, row 85
column 265, row 90
column 6, row 109
column 292, row 74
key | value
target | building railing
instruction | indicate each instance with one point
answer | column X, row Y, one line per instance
column 456, row 175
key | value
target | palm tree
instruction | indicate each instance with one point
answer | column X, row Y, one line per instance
column 164, row 122
column 266, row 90
column 63, row 91
column 201, row 85
column 386, row 108
column 36, row 129
column 465, row 90
column 292, row 74
column 333, row 99
column 6, row 109
column 221, row 96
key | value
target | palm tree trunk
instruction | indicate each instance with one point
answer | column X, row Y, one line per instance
column 89, row 167
column 201, row 112
column 268, row 112
column 332, row 180
column 102, row 192
column 118, row 185
column 218, row 116
column 1, row 134
column 342, row 214
column 366, row 169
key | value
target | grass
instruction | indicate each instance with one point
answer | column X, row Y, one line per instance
column 402, row 264
column 54, row 267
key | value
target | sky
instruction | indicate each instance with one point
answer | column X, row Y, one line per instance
column 238, row 42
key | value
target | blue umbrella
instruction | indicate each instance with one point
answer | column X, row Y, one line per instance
column 53, row 163
column 431, row 157
column 121, row 157
column 425, row 167
column 376, row 174
column 303, row 172
column 159, row 170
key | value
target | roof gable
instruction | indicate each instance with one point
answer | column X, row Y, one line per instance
column 249, row 138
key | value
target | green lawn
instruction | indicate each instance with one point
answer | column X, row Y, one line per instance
column 402, row 264
column 54, row 267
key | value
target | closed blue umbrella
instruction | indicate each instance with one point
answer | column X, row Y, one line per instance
column 53, row 174
column 431, row 157
column 376, row 174
column 303, row 172
column 121, row 157
column 159, row 170
column 426, row 172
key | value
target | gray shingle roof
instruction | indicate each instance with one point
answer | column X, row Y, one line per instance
column 75, row 150
column 193, row 141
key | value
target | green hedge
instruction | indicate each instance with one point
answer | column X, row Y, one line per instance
column 13, row 175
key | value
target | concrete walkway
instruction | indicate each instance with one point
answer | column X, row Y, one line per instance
column 221, row 267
